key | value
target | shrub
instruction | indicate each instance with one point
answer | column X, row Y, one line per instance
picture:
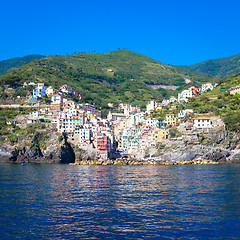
column 60, row 138
column 13, row 138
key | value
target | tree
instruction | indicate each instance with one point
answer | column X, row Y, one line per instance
column 173, row 132
column 10, row 80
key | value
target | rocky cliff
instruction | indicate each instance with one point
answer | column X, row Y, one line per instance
column 56, row 152
column 59, row 150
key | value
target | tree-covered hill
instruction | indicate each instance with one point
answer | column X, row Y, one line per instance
column 6, row 65
column 111, row 77
column 221, row 67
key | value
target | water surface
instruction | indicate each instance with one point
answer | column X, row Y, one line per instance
column 47, row 201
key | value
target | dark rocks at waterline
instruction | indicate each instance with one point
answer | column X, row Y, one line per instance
column 179, row 155
column 6, row 154
column 234, row 158
column 67, row 154
column 218, row 155
column 62, row 153
column 24, row 155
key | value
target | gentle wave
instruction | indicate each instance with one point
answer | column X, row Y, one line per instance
column 41, row 201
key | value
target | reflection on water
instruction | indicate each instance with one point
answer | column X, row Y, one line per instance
column 119, row 202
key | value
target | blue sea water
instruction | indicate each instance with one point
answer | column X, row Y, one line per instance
column 47, row 201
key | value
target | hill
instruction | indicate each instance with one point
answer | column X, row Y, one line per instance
column 221, row 67
column 111, row 77
column 6, row 65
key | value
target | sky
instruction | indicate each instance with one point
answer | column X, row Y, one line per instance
column 173, row 32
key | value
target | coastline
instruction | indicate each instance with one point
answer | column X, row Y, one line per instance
column 168, row 153
column 143, row 162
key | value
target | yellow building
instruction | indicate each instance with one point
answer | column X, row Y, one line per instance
column 170, row 119
column 159, row 108
column 90, row 115
column 162, row 134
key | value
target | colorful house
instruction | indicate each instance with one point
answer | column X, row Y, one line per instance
column 39, row 91
column 162, row 134
column 170, row 119
column 102, row 144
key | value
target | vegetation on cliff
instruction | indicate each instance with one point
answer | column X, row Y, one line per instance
column 219, row 102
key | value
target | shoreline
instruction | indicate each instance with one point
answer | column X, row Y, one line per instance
column 146, row 162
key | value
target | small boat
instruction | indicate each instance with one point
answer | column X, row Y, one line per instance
column 23, row 164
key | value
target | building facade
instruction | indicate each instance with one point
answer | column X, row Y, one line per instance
column 39, row 91
column 206, row 86
column 202, row 123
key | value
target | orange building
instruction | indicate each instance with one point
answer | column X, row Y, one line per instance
column 102, row 142
column 195, row 91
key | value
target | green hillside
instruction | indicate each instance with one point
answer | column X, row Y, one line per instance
column 111, row 77
column 221, row 67
column 219, row 102
column 5, row 65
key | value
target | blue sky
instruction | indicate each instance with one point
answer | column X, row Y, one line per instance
column 173, row 32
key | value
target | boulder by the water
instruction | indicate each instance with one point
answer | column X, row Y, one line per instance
column 217, row 155
column 179, row 155
column 235, row 157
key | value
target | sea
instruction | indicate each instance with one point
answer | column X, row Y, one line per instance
column 60, row 201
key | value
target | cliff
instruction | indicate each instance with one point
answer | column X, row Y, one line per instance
column 212, row 146
column 61, row 152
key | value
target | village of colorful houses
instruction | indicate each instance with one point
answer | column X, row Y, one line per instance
column 130, row 131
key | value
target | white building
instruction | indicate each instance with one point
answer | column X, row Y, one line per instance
column 172, row 99
column 129, row 108
column 184, row 95
column 135, row 119
column 82, row 136
column 56, row 99
column 69, row 104
column 66, row 89
column 152, row 122
column 57, row 102
column 49, row 91
column 151, row 106
column 202, row 122
column 207, row 86
column 66, row 122
column 39, row 91
column 115, row 116
column 184, row 112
